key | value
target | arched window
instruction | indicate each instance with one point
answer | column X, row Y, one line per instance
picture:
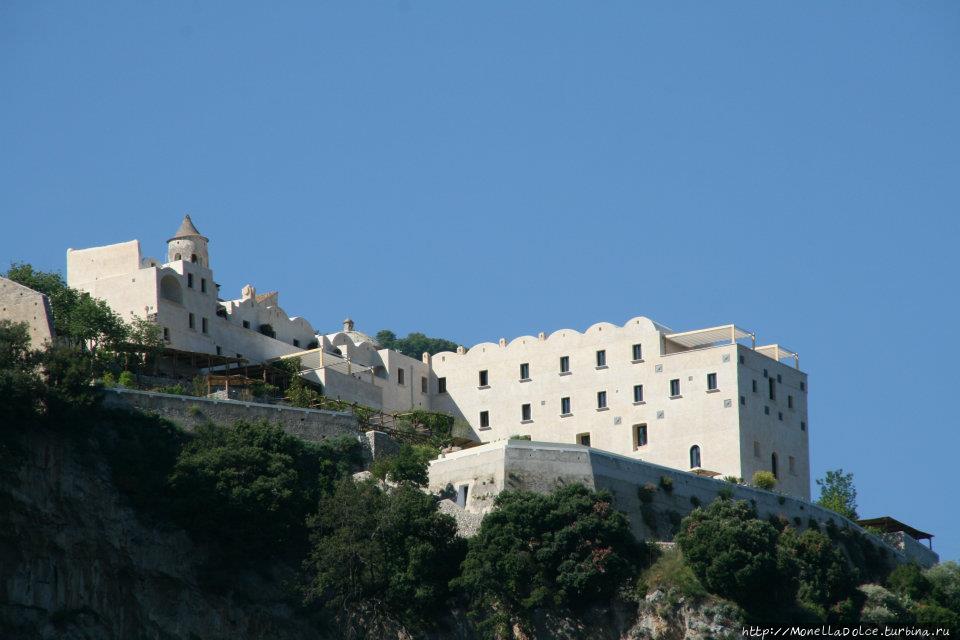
column 773, row 465
column 193, row 257
column 176, row 257
column 170, row 289
column 695, row 456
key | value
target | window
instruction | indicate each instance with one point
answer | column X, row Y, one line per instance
column 773, row 465
column 695, row 457
column 780, row 416
column 525, row 413
column 756, row 449
column 246, row 324
column 743, row 400
column 240, row 356
column 484, row 419
column 525, row 371
column 190, row 280
column 219, row 351
column 637, row 352
column 601, row 358
column 177, row 257
column 565, row 406
column 441, row 385
column 754, row 386
column 792, row 465
column 190, row 321
column 203, row 285
column 584, row 439
column 742, row 360
column 193, row 257
column 675, row 388
column 779, row 379
column 166, row 334
column 203, row 324
column 484, row 378
column 638, row 393
column 773, row 388
column 764, row 373
column 766, row 409
column 803, row 426
column 564, row 364
column 639, row 436
column 789, row 402
column 423, row 384
column 400, row 376
column 296, row 342
column 803, row 386
column 711, row 382
column 601, row 399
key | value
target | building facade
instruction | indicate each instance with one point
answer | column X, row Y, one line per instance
column 22, row 304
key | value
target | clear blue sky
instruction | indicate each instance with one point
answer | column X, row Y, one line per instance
column 485, row 170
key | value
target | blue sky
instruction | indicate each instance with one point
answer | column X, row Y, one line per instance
column 486, row 170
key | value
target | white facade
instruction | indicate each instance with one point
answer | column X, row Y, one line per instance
column 182, row 296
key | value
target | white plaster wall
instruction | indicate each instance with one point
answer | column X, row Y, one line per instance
column 22, row 304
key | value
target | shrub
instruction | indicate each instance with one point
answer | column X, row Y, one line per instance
column 391, row 548
column 908, row 580
column 764, row 480
column 646, row 492
column 409, row 464
column 570, row 548
column 838, row 493
column 109, row 380
column 825, row 577
column 671, row 573
column 724, row 494
column 736, row 556
column 666, row 483
column 732, row 479
column 944, row 581
column 695, row 501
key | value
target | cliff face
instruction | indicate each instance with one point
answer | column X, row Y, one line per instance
column 77, row 562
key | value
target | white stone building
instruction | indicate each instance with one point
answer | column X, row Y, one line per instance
column 22, row 304
column 183, row 298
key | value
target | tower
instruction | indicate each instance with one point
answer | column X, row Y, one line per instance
column 187, row 244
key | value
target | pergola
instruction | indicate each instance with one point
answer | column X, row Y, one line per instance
column 892, row 525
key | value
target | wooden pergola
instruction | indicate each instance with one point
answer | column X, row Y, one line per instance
column 892, row 525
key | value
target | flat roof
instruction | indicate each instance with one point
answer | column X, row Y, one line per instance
column 892, row 525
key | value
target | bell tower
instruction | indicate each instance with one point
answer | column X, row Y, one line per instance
column 187, row 244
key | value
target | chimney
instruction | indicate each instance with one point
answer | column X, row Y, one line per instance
column 348, row 325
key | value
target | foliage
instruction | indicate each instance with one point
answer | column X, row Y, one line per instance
column 764, row 480
column 931, row 596
column 666, row 483
column 69, row 372
column 415, row 344
column 20, row 386
column 439, row 425
column 736, row 556
column 260, row 389
column 250, row 487
column 370, row 545
column 909, row 580
column 838, row 493
column 672, row 574
column 825, row 577
column 127, row 380
column 945, row 584
column 570, row 548
column 882, row 607
column 408, row 465
column 733, row 479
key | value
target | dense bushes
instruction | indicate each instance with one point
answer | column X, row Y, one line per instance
column 567, row 549
column 409, row 464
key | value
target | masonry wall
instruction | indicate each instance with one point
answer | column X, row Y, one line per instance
column 22, row 304
column 189, row 412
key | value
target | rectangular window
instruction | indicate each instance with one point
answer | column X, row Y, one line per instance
column 423, row 384
column 779, row 379
column 639, row 436
column 584, row 439
column 601, row 358
column 638, row 393
column 484, row 378
column 296, row 342
column 525, row 371
column 166, row 334
column 754, row 386
column 741, row 360
column 780, row 416
column 766, row 410
column 764, row 373
column 564, row 406
column 601, row 399
column 675, row 388
column 756, row 449
column 203, row 285
column 789, row 402
column 484, row 419
column 400, row 376
column 203, row 324
column 773, row 388
column 190, row 280
column 219, row 351
column 711, row 382
column 803, row 426
column 743, row 400
column 441, row 385
column 793, row 464
column 637, row 352
column 564, row 364
column 246, row 324
column 525, row 412
column 803, row 386
column 190, row 321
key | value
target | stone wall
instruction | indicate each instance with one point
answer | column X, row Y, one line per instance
column 654, row 497
column 22, row 304
column 189, row 412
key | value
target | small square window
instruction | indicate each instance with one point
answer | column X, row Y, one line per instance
column 564, row 364
column 639, row 436
column 441, row 385
column 711, row 382
column 296, row 342
column 675, row 388
column 246, row 324
column 638, row 393
column 484, row 419
column 583, row 439
column 638, row 352
column 525, row 371
column 601, row 358
column 525, row 412
column 601, row 399
column 564, row 406
column 484, row 378
column 401, row 376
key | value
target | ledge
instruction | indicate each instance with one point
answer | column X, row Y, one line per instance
column 601, row 366
column 483, row 386
column 713, row 390
column 566, row 415
column 637, row 361
column 566, row 373
column 525, row 379
column 676, row 397
column 526, row 421
column 639, row 402
column 603, row 408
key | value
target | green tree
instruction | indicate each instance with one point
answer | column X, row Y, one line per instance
column 21, row 389
column 569, row 548
column 827, row 581
column 736, row 556
column 415, row 344
column 409, row 464
column 373, row 546
column 764, row 480
column 838, row 493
